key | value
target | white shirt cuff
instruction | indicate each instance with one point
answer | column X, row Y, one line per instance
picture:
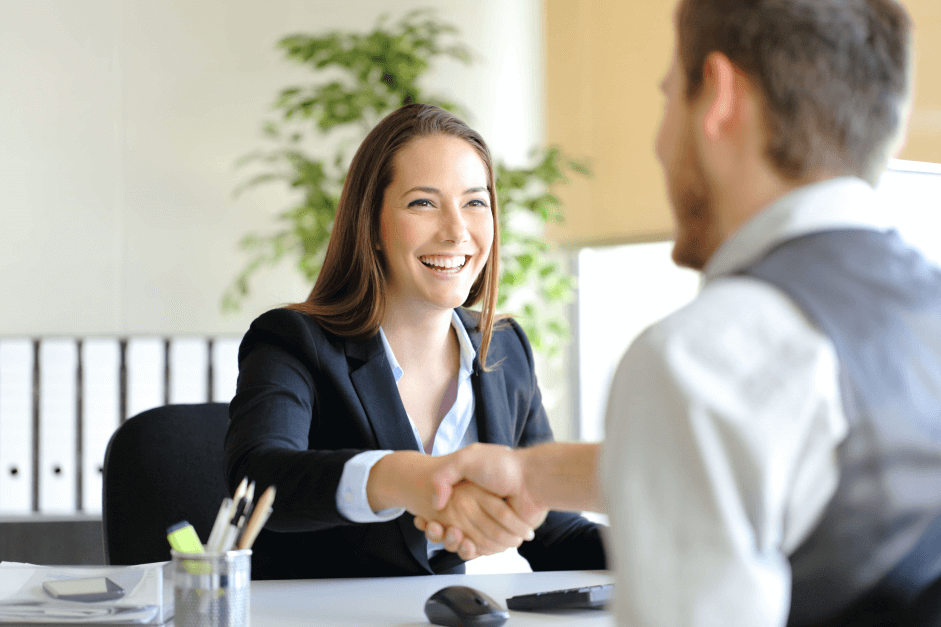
column 352, row 501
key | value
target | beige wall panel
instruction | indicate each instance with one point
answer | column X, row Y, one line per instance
column 924, row 133
column 604, row 62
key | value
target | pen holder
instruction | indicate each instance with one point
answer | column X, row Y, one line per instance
column 212, row 589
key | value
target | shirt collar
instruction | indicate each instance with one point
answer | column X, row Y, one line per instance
column 463, row 339
column 838, row 203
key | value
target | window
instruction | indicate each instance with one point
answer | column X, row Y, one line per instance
column 624, row 289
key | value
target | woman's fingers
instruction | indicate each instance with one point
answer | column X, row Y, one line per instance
column 485, row 520
column 467, row 551
column 435, row 532
column 452, row 539
column 504, row 515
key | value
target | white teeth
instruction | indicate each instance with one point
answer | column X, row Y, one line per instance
column 444, row 262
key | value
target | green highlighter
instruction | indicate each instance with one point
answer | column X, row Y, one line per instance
column 183, row 538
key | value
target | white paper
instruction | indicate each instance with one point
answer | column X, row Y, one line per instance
column 148, row 598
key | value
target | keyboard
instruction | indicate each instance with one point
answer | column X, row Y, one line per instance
column 590, row 597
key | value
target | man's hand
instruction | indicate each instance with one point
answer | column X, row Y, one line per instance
column 487, row 523
column 497, row 469
column 558, row 475
column 476, row 522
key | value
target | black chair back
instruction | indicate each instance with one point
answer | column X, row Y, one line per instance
column 162, row 466
column 926, row 611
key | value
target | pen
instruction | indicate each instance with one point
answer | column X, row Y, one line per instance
column 249, row 501
column 218, row 527
column 237, row 521
column 239, row 494
column 259, row 518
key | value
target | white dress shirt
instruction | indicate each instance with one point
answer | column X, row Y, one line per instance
column 458, row 429
column 721, row 434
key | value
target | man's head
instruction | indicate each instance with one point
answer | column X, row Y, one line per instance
column 829, row 80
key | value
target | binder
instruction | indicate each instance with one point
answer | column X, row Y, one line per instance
column 225, row 368
column 101, row 358
column 16, row 426
column 146, row 358
column 58, row 407
column 189, row 363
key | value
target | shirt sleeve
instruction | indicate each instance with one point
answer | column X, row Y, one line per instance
column 352, row 500
column 722, row 426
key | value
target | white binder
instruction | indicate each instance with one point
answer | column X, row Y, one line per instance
column 146, row 372
column 16, row 426
column 189, row 363
column 225, row 368
column 101, row 359
column 58, row 406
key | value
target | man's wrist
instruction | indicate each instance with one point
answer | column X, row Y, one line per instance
column 529, row 462
column 563, row 476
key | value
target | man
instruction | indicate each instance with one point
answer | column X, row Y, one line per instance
column 773, row 451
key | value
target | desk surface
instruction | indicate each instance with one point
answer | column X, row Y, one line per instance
column 400, row 601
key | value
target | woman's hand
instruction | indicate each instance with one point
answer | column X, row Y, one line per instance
column 478, row 521
column 451, row 538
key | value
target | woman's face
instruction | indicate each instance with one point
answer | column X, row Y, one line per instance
column 436, row 225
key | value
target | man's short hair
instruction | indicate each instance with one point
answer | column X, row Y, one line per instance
column 834, row 74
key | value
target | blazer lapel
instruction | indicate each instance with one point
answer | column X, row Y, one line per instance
column 372, row 379
column 494, row 421
column 494, row 424
column 371, row 375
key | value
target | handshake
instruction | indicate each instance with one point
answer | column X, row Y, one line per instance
column 486, row 498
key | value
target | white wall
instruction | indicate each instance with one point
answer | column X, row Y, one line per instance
column 120, row 121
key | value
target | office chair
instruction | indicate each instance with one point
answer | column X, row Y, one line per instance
column 926, row 611
column 162, row 466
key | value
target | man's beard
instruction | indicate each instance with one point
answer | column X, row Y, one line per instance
column 693, row 211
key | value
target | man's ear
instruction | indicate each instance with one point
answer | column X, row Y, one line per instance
column 720, row 87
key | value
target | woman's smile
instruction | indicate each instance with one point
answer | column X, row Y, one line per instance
column 444, row 264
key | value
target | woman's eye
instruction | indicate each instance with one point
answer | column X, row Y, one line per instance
column 477, row 203
column 421, row 202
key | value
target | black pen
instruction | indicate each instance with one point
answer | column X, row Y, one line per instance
column 238, row 520
column 216, row 546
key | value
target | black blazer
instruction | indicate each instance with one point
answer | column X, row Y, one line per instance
column 307, row 401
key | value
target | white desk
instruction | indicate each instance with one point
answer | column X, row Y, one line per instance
column 400, row 601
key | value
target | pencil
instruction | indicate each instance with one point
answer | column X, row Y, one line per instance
column 259, row 518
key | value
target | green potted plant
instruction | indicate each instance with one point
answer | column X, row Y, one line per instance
column 357, row 80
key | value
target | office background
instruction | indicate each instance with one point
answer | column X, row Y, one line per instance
column 120, row 125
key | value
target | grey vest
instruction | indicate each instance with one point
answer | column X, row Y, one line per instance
column 878, row 543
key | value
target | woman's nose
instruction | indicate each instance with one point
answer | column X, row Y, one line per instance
column 454, row 226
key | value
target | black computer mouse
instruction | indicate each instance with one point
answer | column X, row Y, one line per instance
column 460, row 606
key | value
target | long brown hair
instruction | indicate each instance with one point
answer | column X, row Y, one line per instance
column 348, row 298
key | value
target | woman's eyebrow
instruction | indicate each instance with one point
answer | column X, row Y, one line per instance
column 435, row 190
column 421, row 188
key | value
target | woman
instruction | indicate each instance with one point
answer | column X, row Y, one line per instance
column 337, row 395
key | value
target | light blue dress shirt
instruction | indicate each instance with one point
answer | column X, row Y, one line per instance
column 458, row 429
